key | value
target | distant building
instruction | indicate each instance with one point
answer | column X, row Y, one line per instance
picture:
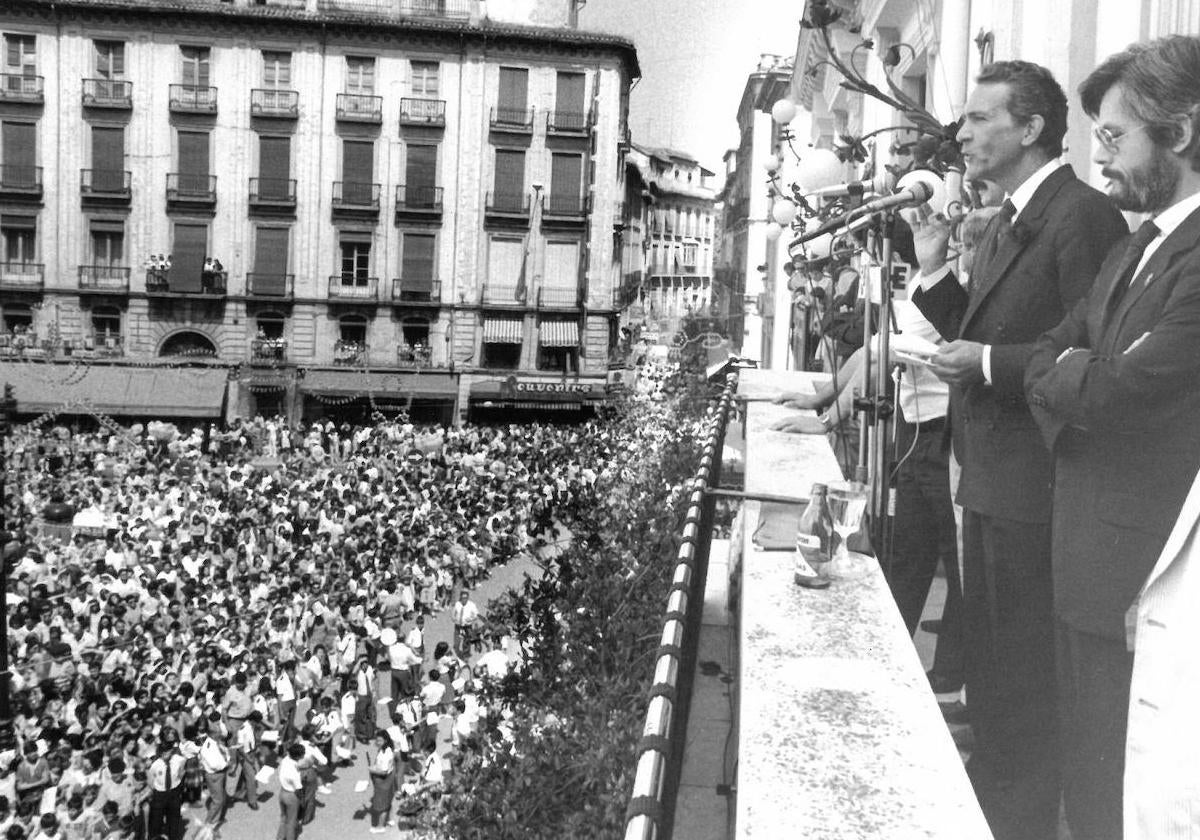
column 750, row 269
column 343, row 205
column 680, row 239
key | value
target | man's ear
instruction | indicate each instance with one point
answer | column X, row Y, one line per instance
column 1033, row 130
column 1187, row 131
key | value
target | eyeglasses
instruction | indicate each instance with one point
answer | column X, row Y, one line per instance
column 1111, row 141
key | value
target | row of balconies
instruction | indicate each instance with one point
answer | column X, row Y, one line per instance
column 263, row 351
column 117, row 94
column 346, row 286
column 116, row 186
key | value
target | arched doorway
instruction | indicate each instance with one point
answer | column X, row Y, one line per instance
column 188, row 343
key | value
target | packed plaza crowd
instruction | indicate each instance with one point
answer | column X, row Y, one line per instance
column 250, row 598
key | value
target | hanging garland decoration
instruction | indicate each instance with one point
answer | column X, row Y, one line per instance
column 122, row 434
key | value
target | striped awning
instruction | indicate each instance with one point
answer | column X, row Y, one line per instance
column 123, row 390
column 558, row 334
column 502, row 330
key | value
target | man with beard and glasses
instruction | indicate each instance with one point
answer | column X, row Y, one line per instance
column 1116, row 390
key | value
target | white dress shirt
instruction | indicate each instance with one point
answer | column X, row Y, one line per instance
column 289, row 776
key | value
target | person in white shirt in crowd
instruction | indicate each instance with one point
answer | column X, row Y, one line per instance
column 383, row 783
column 290, row 784
column 214, row 761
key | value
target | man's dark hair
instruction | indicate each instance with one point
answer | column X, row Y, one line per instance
column 1158, row 85
column 1032, row 91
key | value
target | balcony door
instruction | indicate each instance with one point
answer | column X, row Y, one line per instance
column 19, row 144
column 193, row 162
column 420, row 175
column 358, row 171
column 270, row 261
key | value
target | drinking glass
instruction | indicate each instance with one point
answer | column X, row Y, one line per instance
column 847, row 504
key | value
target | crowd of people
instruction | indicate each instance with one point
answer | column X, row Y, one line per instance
column 245, row 603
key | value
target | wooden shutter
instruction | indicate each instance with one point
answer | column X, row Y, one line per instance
column 358, row 170
column 19, row 141
column 193, row 161
column 187, row 257
column 568, row 99
column 271, row 260
column 566, row 172
column 274, row 166
column 420, row 175
column 416, row 269
column 514, row 89
column 510, row 176
column 504, row 263
column 108, row 158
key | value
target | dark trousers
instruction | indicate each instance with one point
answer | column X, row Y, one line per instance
column 165, row 817
column 1009, row 668
column 364, row 717
column 1093, row 696
column 926, row 535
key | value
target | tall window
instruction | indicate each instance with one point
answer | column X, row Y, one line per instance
column 358, row 171
column 569, row 108
column 19, row 236
column 277, row 70
column 110, row 59
column 20, row 57
column 270, row 325
column 425, row 79
column 566, row 173
column 417, row 265
column 690, row 250
column 195, row 66
column 271, row 260
column 275, row 167
column 356, row 263
column 420, row 175
column 108, row 245
column 360, row 74
column 18, row 317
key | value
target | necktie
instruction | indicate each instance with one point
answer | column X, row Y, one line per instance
column 167, row 769
column 1127, row 267
column 987, row 250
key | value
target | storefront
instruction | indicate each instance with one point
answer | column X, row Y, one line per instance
column 357, row 396
column 524, row 399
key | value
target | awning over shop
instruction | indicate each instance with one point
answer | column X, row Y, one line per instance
column 116, row 389
column 346, row 383
column 512, row 391
column 558, row 333
column 502, row 330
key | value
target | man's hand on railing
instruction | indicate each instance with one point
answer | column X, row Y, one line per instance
column 801, row 424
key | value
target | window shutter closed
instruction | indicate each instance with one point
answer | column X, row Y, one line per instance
column 108, row 158
column 568, row 95
column 504, row 263
column 566, row 172
column 421, row 171
column 510, row 175
column 193, row 161
column 358, row 169
column 416, row 270
column 20, row 154
column 514, row 87
column 274, row 166
column 187, row 257
column 271, row 260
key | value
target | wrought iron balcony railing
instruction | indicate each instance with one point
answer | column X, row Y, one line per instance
column 19, row 180
column 508, row 202
column 110, row 183
column 422, row 111
column 104, row 278
column 359, row 107
column 260, row 284
column 273, row 191
column 107, row 93
column 193, row 99
column 566, row 204
column 271, row 350
column 267, row 102
column 567, row 122
column 191, row 188
column 356, row 195
column 22, row 276
column 422, row 289
column 512, row 119
column 353, row 286
column 418, row 198
column 17, row 87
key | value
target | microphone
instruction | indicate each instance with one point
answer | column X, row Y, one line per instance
column 918, row 192
column 854, row 189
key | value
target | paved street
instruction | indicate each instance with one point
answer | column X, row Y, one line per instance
column 343, row 812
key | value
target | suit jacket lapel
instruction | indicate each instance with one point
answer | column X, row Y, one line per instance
column 1032, row 219
column 1181, row 240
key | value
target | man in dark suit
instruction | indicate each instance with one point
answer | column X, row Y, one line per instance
column 1116, row 390
column 1037, row 257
